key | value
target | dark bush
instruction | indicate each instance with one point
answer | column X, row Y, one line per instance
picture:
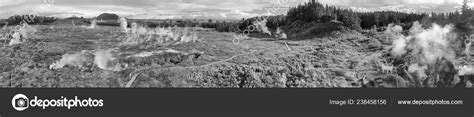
column 17, row 19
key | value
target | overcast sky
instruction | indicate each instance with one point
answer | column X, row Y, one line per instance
column 203, row 8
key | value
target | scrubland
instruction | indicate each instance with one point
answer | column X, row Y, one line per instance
column 105, row 56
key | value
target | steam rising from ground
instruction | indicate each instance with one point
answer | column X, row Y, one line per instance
column 426, row 45
column 78, row 59
column 393, row 29
column 23, row 34
column 123, row 24
column 93, row 24
column 434, row 43
column 105, row 59
column 280, row 34
column 400, row 41
column 429, row 54
column 262, row 26
column 466, row 70
column 160, row 35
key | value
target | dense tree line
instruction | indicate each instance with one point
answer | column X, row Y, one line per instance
column 273, row 22
column 463, row 20
column 313, row 11
column 383, row 18
column 316, row 12
column 17, row 19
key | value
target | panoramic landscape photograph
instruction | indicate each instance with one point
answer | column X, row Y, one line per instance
column 236, row 43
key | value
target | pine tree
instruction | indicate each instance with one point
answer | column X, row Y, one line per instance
column 465, row 7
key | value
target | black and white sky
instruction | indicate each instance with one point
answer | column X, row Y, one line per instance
column 228, row 9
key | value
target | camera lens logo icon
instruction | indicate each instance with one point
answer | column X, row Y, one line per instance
column 20, row 102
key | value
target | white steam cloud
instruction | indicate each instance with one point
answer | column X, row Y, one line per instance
column 104, row 59
column 426, row 45
column 262, row 26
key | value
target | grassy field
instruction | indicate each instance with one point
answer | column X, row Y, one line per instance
column 339, row 59
column 257, row 62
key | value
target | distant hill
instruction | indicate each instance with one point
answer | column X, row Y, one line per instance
column 107, row 16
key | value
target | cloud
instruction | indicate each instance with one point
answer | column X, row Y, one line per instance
column 6, row 3
column 207, row 8
column 435, row 2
